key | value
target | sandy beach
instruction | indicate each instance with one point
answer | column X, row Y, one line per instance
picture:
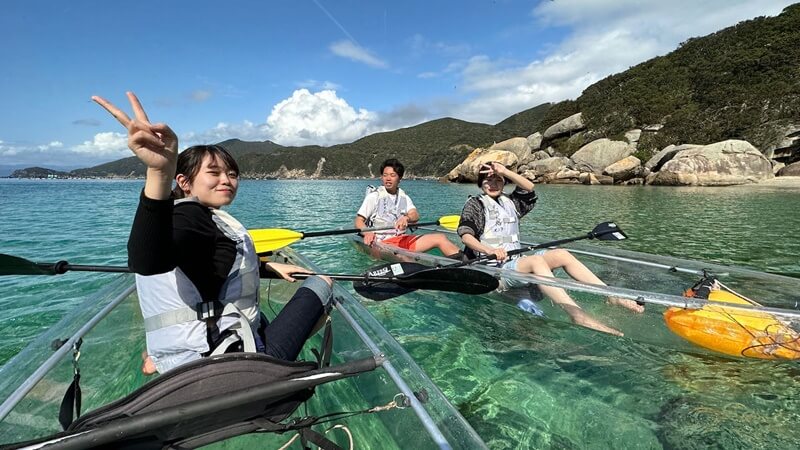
column 777, row 182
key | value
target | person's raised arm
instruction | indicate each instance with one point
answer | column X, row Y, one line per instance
column 521, row 182
column 156, row 145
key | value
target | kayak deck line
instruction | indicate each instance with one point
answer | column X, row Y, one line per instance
column 656, row 298
column 739, row 328
column 444, row 427
column 670, row 263
column 67, row 346
column 667, row 300
column 343, row 304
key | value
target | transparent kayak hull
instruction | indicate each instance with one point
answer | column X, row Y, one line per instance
column 110, row 326
column 759, row 319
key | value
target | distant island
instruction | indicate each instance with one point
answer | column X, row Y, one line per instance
column 720, row 109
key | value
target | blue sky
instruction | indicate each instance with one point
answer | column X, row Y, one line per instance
column 312, row 71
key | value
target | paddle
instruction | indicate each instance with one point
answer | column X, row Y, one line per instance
column 14, row 265
column 271, row 239
column 393, row 279
column 379, row 283
column 606, row 231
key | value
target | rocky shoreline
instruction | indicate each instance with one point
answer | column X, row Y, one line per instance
column 600, row 160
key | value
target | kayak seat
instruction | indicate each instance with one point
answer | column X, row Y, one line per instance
column 188, row 395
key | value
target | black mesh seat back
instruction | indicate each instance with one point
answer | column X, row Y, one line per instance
column 207, row 378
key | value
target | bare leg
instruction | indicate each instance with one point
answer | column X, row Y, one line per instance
column 564, row 259
column 435, row 240
column 538, row 265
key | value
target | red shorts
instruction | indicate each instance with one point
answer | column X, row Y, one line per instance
column 405, row 241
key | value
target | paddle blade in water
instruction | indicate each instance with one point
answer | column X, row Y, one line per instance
column 270, row 239
column 14, row 265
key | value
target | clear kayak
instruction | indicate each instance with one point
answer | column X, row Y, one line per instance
column 103, row 338
column 748, row 314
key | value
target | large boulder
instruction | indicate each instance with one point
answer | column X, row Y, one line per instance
column 544, row 166
column 569, row 125
column 518, row 146
column 467, row 171
column 563, row 176
column 720, row 164
column 535, row 141
column 624, row 169
column 659, row 159
column 792, row 170
column 597, row 155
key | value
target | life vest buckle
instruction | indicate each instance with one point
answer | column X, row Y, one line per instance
column 206, row 310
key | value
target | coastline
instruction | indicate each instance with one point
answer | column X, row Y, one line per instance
column 784, row 182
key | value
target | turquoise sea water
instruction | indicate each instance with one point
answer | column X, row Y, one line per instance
column 520, row 382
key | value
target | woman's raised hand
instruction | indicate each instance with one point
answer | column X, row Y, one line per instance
column 492, row 168
column 156, row 145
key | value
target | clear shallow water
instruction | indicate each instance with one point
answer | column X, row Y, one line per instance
column 521, row 382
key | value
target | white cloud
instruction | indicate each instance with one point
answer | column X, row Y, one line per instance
column 607, row 38
column 8, row 150
column 246, row 131
column 350, row 50
column 54, row 144
column 305, row 118
column 55, row 155
column 105, row 144
column 320, row 118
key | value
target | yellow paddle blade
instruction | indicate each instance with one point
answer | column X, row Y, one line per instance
column 270, row 239
column 449, row 222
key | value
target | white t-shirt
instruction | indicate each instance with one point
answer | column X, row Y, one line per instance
column 392, row 207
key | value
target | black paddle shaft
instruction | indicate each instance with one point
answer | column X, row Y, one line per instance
column 360, row 230
column 603, row 231
column 14, row 265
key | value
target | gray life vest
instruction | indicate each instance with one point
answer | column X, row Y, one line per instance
column 388, row 209
column 175, row 314
column 501, row 223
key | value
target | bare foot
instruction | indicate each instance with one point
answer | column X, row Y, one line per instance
column 587, row 321
column 148, row 367
column 626, row 303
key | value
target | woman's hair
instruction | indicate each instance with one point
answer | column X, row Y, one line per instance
column 191, row 159
column 394, row 164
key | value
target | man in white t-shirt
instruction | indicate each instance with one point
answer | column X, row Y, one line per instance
column 389, row 206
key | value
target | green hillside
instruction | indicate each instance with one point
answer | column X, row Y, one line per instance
column 430, row 149
column 742, row 82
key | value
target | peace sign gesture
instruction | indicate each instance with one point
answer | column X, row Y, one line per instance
column 156, row 145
